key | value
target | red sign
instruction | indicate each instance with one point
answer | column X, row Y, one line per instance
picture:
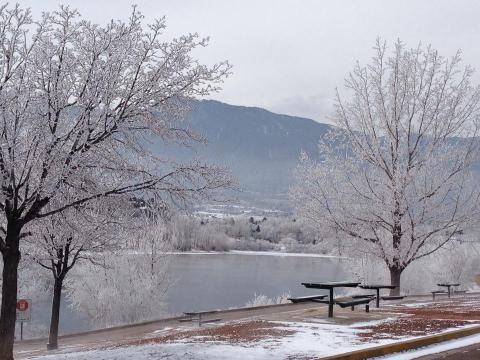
column 23, row 309
column 22, row 305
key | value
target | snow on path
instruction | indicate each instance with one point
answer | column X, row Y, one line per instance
column 310, row 339
column 434, row 349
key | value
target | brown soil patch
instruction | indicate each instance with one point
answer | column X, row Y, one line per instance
column 407, row 327
column 453, row 310
column 241, row 332
column 424, row 320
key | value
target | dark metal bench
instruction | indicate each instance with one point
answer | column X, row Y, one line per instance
column 397, row 297
column 354, row 302
column 439, row 292
column 306, row 298
column 197, row 316
column 363, row 296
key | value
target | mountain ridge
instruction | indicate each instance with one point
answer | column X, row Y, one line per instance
column 260, row 147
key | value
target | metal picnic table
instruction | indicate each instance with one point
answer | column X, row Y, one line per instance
column 377, row 288
column 330, row 286
column 448, row 286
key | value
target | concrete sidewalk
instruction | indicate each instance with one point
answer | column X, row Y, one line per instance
column 413, row 316
column 471, row 352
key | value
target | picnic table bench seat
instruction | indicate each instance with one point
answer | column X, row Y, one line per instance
column 362, row 296
column 197, row 316
column 393, row 297
column 306, row 298
column 343, row 303
column 438, row 292
column 201, row 312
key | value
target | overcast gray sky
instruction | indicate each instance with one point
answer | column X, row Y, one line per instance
column 289, row 56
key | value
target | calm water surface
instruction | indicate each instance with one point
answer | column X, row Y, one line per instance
column 219, row 281
column 223, row 280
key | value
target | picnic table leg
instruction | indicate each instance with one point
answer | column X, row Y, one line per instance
column 378, row 298
column 330, row 304
column 448, row 287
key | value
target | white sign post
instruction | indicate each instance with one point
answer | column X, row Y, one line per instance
column 24, row 313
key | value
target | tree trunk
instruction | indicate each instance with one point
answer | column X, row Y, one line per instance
column 11, row 258
column 55, row 318
column 395, row 274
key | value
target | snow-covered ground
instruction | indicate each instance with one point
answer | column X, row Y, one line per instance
column 300, row 333
column 434, row 349
column 316, row 341
column 231, row 210
column 308, row 339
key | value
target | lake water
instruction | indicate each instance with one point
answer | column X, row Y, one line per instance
column 223, row 280
column 219, row 281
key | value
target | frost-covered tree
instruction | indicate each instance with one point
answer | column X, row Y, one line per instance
column 395, row 175
column 62, row 241
column 129, row 286
column 78, row 104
